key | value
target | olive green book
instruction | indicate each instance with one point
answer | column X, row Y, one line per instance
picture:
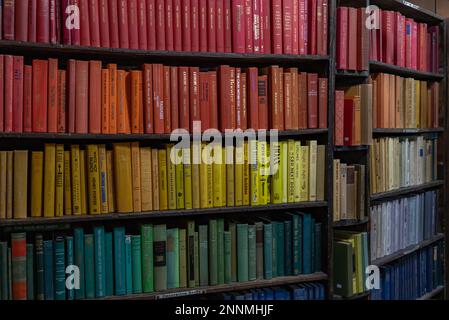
column 252, row 252
column 147, row 258
column 220, row 251
column 227, row 257
column 173, row 258
column 242, row 252
column 204, row 255
column 213, row 253
column 197, row 259
column 160, row 257
column 233, row 232
column 182, row 258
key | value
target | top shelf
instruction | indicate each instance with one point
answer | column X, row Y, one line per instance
column 381, row 67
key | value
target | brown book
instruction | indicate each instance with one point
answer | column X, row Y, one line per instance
column 312, row 100
column 302, row 100
column 174, row 98
column 361, row 187
column 351, row 192
column 155, row 174
column 295, row 97
column 274, row 99
column 322, row 103
column 352, row 38
column 391, row 102
column 3, row 168
column 399, row 117
column 374, row 99
column 336, row 190
column 363, row 41
column 343, row 192
column 288, row 109
column 366, row 122
column 9, row 183
column 424, row 112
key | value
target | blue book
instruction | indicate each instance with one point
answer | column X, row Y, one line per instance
column 255, row 294
column 119, row 261
column 300, row 243
column 79, row 261
column 70, row 261
column 296, row 256
column 275, row 249
column 299, row 292
column 268, row 250
column 268, row 294
column 261, row 294
column 248, row 295
column 59, row 268
column 240, row 296
column 100, row 263
column 280, row 249
column 226, row 296
column 128, row 265
column 280, row 294
column 288, row 248
column 109, row 262
column 307, row 244
column 89, row 266
column 49, row 270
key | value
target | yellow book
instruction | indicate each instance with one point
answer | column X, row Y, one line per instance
column 103, row 178
column 304, row 194
column 313, row 146
column 230, row 180
column 123, row 177
column 20, row 184
column 9, row 183
column 93, row 178
column 276, row 169
column 297, row 172
column 59, row 196
column 187, row 166
column 83, row 176
column 136, row 177
column 3, row 185
column 254, row 172
column 210, row 183
column 67, row 184
column 76, row 180
column 171, row 179
column 49, row 179
column 238, row 174
column 163, row 191
column 180, row 181
column 155, row 174
column 264, row 169
column 146, row 179
column 417, row 120
column 204, row 181
column 196, row 160
column 246, row 175
column 337, row 185
column 111, row 185
column 284, row 166
column 224, row 180
column 291, row 170
column 321, row 172
column 218, row 177
column 37, row 173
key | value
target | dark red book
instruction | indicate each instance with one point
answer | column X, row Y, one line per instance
column 195, row 112
column 43, row 18
column 304, row 27
column 397, row 38
column 105, row 39
column 256, row 4
column 1, row 22
column 94, row 96
column 238, row 26
column 40, row 79
column 167, row 100
column 142, row 23
column 27, row 100
column 325, row 13
column 203, row 25
column 228, row 41
column 160, row 24
column 17, row 94
column 158, row 98
column 312, row 100
column 253, row 98
column 177, row 25
column 75, row 33
column 204, row 101
column 302, row 100
column 151, row 24
column 94, row 23
column 342, row 37
column 2, row 92
column 249, row 25
column 277, row 27
column 211, row 26
column 262, row 94
column 274, row 98
column 295, row 27
column 32, row 20
column 312, row 11
column 53, row 28
column 174, row 97
column 82, row 97
column 388, row 36
column 184, row 98
column 66, row 34
column 220, row 26
column 339, row 117
column 322, row 103
column 62, row 101
column 408, row 42
column 84, row 23
column 244, row 101
column 319, row 26
column 295, row 97
column 52, row 121
column 195, row 24
column 58, row 22
column 352, row 39
column 265, row 16
column 287, row 14
column 348, row 134
column 363, row 41
column 169, row 40
column 21, row 20
column 113, row 24
column 288, row 101
column 133, row 27
column 71, row 93
column 123, row 25
column 213, row 99
column 238, row 98
column 224, row 97
column 414, row 58
column 148, row 98
column 9, row 19
column 9, row 93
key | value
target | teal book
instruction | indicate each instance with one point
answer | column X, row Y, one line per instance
column 259, row 250
column 89, row 266
column 301, row 243
column 60, row 268
column 196, row 241
column 109, row 262
column 280, row 259
column 30, row 271
column 317, row 264
column 252, row 258
column 49, row 283
column 227, row 257
column 242, row 252
column 128, row 265
column 312, row 237
column 274, row 255
column 307, row 244
column 136, row 249
column 213, row 253
column 160, row 257
column 146, row 235
column 4, row 271
column 100, row 263
column 288, row 248
column 220, row 251
column 69, row 261
column 295, row 245
column 233, row 231
column 268, row 250
column 119, row 261
column 204, row 255
column 173, row 258
column 78, row 235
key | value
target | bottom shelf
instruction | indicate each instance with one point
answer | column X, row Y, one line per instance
column 360, row 296
column 184, row 292
column 432, row 294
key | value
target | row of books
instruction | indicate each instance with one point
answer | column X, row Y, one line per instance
column 240, row 26
column 86, row 97
column 402, row 162
column 351, row 258
column 404, row 102
column 413, row 276
column 159, row 258
column 352, row 39
column 303, row 291
column 134, row 178
column 404, row 42
column 353, row 116
column 349, row 191
column 398, row 224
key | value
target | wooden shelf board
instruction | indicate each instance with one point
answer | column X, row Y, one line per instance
column 350, row 148
column 405, row 191
column 349, row 223
column 411, row 131
column 377, row 67
column 410, row 10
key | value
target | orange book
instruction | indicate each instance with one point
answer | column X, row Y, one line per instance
column 167, row 100
column 148, row 98
column 288, row 109
column 112, row 98
column 213, row 99
column 82, row 96
column 174, row 98
column 136, row 102
column 105, row 101
column 158, row 98
column 123, row 125
column 62, row 98
column 95, row 96
column 391, row 102
column 52, row 124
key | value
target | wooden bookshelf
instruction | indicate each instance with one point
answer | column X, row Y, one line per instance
column 350, row 223
column 398, row 193
column 351, row 148
column 381, row 67
column 410, row 10
column 401, row 132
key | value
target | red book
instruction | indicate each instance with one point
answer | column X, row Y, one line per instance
column 9, row 93
column 71, row 100
column 160, row 25
column 312, row 100
column 114, row 24
column 148, row 97
column 18, row 262
column 53, row 28
column 304, row 27
column 414, row 59
column 142, row 23
column 287, row 14
column 105, row 40
column 244, row 101
column 52, row 121
column 184, row 98
column 342, row 37
column 27, row 100
column 169, row 30
column 262, row 94
column 408, row 42
column 32, row 20
column 40, row 78
column 124, row 102
column 238, row 98
column 211, row 26
column 363, row 43
column 325, row 13
column 174, row 97
column 295, row 27
column 2, row 92
column 265, row 28
column 203, row 25
column 167, row 100
column 204, row 101
column 232, row 99
column 256, row 25
column 75, row 33
column 8, row 20
column 158, row 98
column 66, row 36
column 123, row 25
column 186, row 26
column 62, row 100
column 348, row 134
column 84, row 23
column 339, row 117
column 228, row 41
column 238, row 26
column 94, row 96
column 43, row 18
column 17, row 97
column 195, row 24
column 274, row 98
column 151, row 24
column 312, row 28
column 322, row 103
column 288, row 101
column 133, row 27
column 388, row 36
column 352, row 39
column 224, row 97
column 277, row 26
column 397, row 39
column 177, row 24
column 82, row 97
column 195, row 112
column 113, row 97
column 220, row 27
column 253, row 98
column 58, row 22
column 21, row 20
column 319, row 26
column 302, row 100
column 213, row 99
column 249, row 25
column 295, row 97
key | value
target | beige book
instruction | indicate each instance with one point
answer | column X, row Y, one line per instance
column 146, row 179
column 321, row 173
column 3, row 157
column 336, row 187
column 155, row 174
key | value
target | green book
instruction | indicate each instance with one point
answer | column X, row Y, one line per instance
column 100, row 263
column 173, row 258
column 288, row 266
column 69, row 261
column 30, row 271
column 128, row 265
column 136, row 255
column 109, row 262
column 227, row 257
column 182, row 258
column 295, row 245
column 274, row 252
column 233, row 232
column 89, row 265
column 343, row 268
column 78, row 235
column 49, row 266
column 160, row 257
column 197, row 259
column 252, row 258
column 204, row 255
column 4, row 271
column 147, row 258
column 280, row 259
column 307, row 243
column 40, row 289
column 213, row 253
column 119, row 261
column 259, row 250
column 60, row 268
column 220, row 251
column 242, row 252
column 191, row 254
column 268, row 250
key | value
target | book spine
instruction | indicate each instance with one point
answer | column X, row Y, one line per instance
column 195, row 25
column 18, row 259
column 79, row 261
column 147, row 258
column 29, row 270
column 69, row 261
column 100, row 263
column 277, row 39
column 49, row 270
column 60, row 288
column 89, row 265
